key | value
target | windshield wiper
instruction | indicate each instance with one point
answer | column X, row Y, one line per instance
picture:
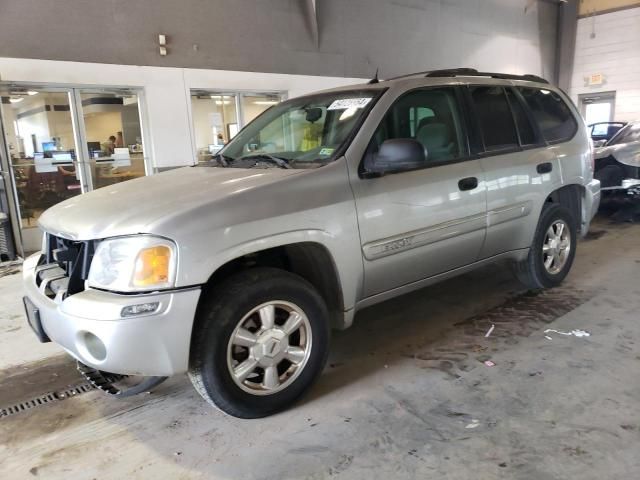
column 281, row 162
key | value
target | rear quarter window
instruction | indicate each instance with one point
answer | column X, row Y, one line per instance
column 553, row 115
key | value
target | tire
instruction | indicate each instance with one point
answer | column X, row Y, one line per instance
column 532, row 271
column 275, row 382
column 610, row 176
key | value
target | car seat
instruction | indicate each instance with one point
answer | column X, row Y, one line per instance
column 436, row 140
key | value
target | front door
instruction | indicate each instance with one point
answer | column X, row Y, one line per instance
column 42, row 153
column 420, row 223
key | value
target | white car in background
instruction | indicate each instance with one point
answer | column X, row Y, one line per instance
column 617, row 163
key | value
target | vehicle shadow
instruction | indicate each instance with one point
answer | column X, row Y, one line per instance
column 401, row 328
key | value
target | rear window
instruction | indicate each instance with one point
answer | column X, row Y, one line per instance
column 552, row 114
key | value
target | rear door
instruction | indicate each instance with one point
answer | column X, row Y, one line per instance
column 519, row 166
column 420, row 223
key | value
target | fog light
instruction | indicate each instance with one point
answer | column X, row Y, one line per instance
column 94, row 346
column 141, row 309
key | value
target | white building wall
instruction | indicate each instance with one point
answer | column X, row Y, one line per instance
column 610, row 44
column 167, row 100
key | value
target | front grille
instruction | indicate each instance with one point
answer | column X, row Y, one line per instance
column 64, row 266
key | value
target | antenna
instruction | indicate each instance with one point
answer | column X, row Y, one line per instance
column 374, row 79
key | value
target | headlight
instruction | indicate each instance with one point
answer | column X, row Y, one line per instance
column 137, row 263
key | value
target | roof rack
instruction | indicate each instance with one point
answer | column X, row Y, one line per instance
column 472, row 72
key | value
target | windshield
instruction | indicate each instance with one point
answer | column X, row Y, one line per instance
column 304, row 132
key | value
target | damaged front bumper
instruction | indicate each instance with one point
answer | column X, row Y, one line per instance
column 89, row 325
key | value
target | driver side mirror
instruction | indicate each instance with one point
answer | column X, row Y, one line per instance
column 396, row 155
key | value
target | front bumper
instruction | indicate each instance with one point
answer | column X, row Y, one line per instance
column 151, row 345
column 590, row 204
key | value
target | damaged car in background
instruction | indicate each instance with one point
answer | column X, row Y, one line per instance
column 617, row 163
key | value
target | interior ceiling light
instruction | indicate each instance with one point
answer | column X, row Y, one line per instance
column 31, row 92
column 15, row 99
column 265, row 102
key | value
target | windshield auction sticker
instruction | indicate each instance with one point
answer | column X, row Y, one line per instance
column 345, row 103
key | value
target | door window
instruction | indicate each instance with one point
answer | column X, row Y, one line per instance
column 495, row 118
column 432, row 117
column 552, row 114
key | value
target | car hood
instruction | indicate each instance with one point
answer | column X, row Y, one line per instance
column 137, row 206
column 627, row 153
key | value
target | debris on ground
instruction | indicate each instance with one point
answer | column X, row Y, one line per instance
column 10, row 268
column 489, row 363
column 474, row 423
column 575, row 333
column 489, row 331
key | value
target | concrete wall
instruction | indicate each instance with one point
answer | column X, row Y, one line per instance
column 610, row 44
column 355, row 36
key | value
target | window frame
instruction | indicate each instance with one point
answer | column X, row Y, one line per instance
column 464, row 125
column 539, row 137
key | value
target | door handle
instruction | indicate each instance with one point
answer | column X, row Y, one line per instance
column 544, row 167
column 468, row 183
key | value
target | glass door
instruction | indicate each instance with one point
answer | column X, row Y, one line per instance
column 111, row 126
column 599, row 107
column 61, row 142
column 42, row 153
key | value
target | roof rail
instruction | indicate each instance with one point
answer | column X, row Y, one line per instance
column 472, row 72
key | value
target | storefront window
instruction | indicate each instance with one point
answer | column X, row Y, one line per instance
column 218, row 116
column 254, row 105
column 114, row 136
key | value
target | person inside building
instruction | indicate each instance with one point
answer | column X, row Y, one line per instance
column 109, row 146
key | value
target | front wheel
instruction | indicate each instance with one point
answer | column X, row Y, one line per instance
column 552, row 251
column 259, row 342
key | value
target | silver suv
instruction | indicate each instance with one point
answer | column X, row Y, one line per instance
column 236, row 270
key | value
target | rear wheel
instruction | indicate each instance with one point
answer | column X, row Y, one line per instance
column 552, row 251
column 259, row 342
